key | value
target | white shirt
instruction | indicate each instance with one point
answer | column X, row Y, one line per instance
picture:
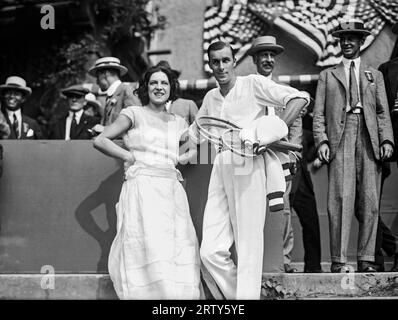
column 268, row 77
column 347, row 65
column 69, row 122
column 248, row 99
column 18, row 114
column 112, row 88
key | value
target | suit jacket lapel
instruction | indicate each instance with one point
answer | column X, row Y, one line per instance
column 12, row 133
column 110, row 104
column 25, row 125
column 364, row 82
column 81, row 125
column 339, row 73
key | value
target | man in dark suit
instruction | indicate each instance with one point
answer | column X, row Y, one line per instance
column 76, row 124
column 119, row 95
column 385, row 239
column 353, row 134
column 13, row 94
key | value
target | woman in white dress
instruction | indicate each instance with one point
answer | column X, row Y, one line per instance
column 155, row 252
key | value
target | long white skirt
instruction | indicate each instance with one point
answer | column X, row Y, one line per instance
column 155, row 252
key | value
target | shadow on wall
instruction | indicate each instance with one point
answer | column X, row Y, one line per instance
column 106, row 194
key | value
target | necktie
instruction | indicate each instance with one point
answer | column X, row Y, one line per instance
column 15, row 126
column 354, row 95
column 73, row 127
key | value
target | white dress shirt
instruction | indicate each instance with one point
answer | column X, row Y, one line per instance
column 248, row 99
column 347, row 65
column 69, row 122
column 18, row 114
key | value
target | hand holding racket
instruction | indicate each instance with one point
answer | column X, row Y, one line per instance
column 227, row 136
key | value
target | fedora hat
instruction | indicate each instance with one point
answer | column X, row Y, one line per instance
column 350, row 26
column 16, row 83
column 107, row 63
column 265, row 43
column 76, row 89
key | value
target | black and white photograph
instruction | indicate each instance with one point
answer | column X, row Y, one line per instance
column 200, row 156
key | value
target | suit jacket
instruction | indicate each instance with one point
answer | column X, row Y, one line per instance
column 86, row 122
column 295, row 134
column 30, row 129
column 389, row 70
column 184, row 108
column 330, row 108
column 122, row 98
column 4, row 127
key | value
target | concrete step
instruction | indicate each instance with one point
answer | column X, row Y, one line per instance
column 330, row 285
column 326, row 266
column 58, row 286
column 275, row 286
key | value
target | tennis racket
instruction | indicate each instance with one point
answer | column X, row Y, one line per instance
column 225, row 136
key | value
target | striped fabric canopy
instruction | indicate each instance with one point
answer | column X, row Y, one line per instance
column 310, row 22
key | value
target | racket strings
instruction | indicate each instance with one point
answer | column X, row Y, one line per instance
column 233, row 142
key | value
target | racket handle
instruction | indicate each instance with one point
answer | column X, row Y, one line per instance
column 287, row 146
column 260, row 149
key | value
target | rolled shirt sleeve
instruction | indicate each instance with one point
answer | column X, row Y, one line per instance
column 272, row 94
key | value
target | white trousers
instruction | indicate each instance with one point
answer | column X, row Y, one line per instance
column 234, row 213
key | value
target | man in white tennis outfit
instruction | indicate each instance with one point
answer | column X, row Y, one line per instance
column 236, row 204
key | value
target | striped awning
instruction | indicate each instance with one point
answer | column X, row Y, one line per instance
column 207, row 84
column 310, row 22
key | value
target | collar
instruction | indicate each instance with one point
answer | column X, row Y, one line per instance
column 347, row 62
column 112, row 88
column 269, row 77
column 77, row 113
column 18, row 113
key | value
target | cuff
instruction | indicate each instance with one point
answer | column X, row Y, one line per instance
column 298, row 94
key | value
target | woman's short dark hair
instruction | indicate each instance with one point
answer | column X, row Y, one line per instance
column 142, row 90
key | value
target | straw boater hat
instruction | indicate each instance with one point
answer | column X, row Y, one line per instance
column 16, row 83
column 76, row 89
column 265, row 43
column 107, row 63
column 351, row 26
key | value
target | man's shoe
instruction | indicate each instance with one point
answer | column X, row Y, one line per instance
column 289, row 269
column 339, row 267
column 395, row 266
column 380, row 267
column 367, row 266
column 317, row 269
